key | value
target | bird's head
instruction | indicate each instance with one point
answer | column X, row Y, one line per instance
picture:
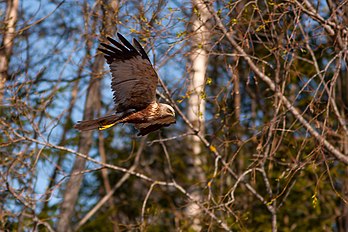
column 166, row 110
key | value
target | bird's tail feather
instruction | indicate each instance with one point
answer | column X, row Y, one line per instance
column 99, row 123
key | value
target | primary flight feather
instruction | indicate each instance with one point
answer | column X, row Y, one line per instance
column 134, row 82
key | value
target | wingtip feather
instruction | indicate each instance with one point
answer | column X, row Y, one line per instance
column 140, row 49
column 125, row 42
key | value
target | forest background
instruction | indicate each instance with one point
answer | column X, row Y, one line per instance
column 260, row 91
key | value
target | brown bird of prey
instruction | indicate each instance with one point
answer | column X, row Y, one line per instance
column 134, row 82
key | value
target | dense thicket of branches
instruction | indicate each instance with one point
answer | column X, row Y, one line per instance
column 274, row 147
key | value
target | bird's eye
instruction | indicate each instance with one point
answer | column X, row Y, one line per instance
column 169, row 111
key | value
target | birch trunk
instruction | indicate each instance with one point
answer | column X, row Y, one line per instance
column 199, row 61
column 196, row 101
column 9, row 33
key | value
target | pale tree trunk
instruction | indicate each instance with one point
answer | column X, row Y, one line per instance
column 199, row 61
column 196, row 101
column 9, row 33
column 90, row 111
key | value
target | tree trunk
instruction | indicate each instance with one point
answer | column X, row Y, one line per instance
column 199, row 61
column 196, row 102
column 9, row 33
column 110, row 10
column 74, row 183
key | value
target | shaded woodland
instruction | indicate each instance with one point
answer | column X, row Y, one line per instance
column 260, row 90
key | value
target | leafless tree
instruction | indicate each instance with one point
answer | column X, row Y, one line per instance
column 8, row 34
column 259, row 89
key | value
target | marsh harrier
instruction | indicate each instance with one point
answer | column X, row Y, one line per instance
column 134, row 82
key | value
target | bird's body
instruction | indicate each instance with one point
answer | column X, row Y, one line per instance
column 134, row 83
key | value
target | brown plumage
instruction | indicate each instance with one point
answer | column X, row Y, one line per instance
column 134, row 83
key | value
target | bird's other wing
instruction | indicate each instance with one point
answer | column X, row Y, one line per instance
column 145, row 128
column 134, row 80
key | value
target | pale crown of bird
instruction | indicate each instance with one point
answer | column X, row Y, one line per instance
column 167, row 109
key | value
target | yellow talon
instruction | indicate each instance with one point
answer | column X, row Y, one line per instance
column 106, row 126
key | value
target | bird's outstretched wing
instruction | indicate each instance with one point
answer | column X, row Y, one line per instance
column 134, row 80
column 145, row 128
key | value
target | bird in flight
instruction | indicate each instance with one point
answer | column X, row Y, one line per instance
column 134, row 82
